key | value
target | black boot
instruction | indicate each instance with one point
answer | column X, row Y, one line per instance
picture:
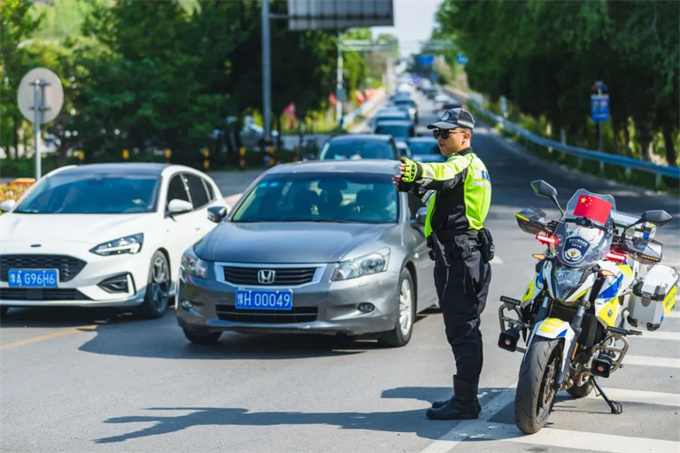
column 462, row 406
column 442, row 403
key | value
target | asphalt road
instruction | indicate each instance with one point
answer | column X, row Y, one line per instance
column 78, row 380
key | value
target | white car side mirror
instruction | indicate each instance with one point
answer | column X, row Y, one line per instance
column 7, row 205
column 177, row 206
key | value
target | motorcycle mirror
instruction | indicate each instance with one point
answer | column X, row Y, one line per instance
column 658, row 217
column 543, row 189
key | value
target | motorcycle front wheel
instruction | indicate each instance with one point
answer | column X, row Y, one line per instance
column 536, row 393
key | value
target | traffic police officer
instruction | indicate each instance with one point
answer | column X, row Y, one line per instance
column 461, row 247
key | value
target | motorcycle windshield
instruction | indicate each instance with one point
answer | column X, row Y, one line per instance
column 584, row 233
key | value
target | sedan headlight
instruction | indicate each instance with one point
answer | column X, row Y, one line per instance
column 365, row 265
column 121, row 246
column 194, row 265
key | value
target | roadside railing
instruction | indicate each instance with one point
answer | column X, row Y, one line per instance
column 628, row 163
column 363, row 109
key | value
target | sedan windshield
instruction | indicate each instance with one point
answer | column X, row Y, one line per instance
column 95, row 194
column 321, row 197
column 357, row 149
column 422, row 148
column 394, row 130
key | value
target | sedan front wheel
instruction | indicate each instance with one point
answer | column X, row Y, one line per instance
column 406, row 309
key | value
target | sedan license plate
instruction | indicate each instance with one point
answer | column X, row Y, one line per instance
column 257, row 299
column 33, row 278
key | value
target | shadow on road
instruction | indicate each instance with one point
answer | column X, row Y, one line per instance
column 124, row 335
column 411, row 421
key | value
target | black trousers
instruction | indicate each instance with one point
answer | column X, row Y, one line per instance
column 462, row 289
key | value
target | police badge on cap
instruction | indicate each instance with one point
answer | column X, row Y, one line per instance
column 454, row 118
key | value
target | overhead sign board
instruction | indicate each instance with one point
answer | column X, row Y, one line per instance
column 426, row 60
column 339, row 14
column 599, row 108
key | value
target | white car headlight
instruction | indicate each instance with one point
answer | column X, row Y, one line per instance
column 365, row 265
column 126, row 245
column 194, row 265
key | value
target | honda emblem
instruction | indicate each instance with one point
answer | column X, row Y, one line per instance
column 266, row 276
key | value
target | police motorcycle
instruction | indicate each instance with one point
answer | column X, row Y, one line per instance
column 600, row 269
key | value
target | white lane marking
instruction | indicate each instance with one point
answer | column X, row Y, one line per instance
column 496, row 260
column 468, row 428
column 483, row 430
column 639, row 396
column 675, row 314
column 659, row 336
column 577, row 440
column 666, row 362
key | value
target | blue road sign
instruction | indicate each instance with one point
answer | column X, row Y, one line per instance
column 426, row 60
column 461, row 59
column 599, row 108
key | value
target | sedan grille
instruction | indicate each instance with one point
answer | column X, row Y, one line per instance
column 297, row 314
column 67, row 265
column 282, row 276
column 41, row 294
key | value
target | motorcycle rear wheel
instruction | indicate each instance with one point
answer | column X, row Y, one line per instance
column 535, row 394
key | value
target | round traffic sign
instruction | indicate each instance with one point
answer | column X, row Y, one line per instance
column 51, row 95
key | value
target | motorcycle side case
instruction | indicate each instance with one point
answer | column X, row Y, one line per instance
column 653, row 297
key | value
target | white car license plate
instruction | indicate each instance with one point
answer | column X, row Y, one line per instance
column 33, row 278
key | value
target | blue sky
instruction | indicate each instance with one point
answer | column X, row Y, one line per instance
column 413, row 22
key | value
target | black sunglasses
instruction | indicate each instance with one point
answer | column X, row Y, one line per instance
column 444, row 133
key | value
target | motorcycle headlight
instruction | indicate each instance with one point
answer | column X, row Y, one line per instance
column 565, row 280
column 194, row 265
column 121, row 246
column 365, row 265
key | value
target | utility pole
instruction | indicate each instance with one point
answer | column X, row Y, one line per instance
column 266, row 73
column 338, row 90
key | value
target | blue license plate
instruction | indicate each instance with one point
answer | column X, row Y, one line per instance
column 33, row 278
column 258, row 299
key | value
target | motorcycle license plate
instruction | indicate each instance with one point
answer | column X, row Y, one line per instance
column 33, row 278
column 259, row 299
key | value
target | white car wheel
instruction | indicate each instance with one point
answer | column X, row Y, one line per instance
column 158, row 287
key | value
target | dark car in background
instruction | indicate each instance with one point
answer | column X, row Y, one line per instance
column 410, row 105
column 425, row 149
column 359, row 146
column 313, row 247
column 400, row 130
column 389, row 114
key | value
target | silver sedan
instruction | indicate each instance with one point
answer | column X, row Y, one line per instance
column 316, row 247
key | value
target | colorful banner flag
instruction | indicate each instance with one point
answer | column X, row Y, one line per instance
column 593, row 208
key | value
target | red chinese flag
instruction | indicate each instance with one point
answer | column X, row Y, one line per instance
column 593, row 208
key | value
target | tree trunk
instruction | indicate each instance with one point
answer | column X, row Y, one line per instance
column 61, row 154
column 15, row 134
column 671, row 155
column 277, row 121
column 626, row 141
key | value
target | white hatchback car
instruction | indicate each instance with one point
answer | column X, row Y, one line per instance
column 104, row 235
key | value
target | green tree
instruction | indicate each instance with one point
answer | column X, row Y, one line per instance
column 523, row 50
column 17, row 23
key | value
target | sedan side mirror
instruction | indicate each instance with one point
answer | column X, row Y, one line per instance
column 217, row 213
column 7, row 205
column 421, row 215
column 178, row 206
